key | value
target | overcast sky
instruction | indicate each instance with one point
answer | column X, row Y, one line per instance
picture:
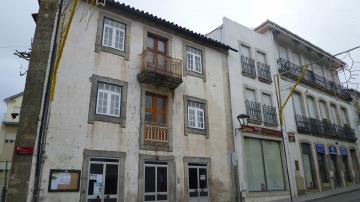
column 333, row 25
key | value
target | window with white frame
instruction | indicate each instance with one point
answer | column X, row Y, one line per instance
column 196, row 115
column 193, row 59
column 113, row 34
column 108, row 99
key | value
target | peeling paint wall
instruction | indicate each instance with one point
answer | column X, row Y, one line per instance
column 69, row 132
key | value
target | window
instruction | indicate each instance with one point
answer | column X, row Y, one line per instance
column 158, row 47
column 113, row 34
column 195, row 110
column 261, row 57
column 250, row 94
column 196, row 115
column 297, row 103
column 333, row 112
column 312, row 107
column 108, row 99
column 344, row 116
column 323, row 110
column 264, row 165
column 9, row 141
column 156, row 181
column 283, row 53
column 16, row 110
column 193, row 59
column 296, row 58
column 266, row 99
column 245, row 51
column 155, row 109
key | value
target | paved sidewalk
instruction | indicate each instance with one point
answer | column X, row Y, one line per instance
column 320, row 195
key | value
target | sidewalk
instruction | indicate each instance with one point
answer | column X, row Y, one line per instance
column 321, row 195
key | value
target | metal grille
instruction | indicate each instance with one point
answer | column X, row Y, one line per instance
column 248, row 66
column 310, row 78
column 269, row 113
column 253, row 109
column 264, row 71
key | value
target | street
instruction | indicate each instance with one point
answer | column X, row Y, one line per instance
column 353, row 196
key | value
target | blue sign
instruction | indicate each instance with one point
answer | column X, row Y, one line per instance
column 320, row 148
column 343, row 151
column 332, row 149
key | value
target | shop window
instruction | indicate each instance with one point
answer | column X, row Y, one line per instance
column 264, row 165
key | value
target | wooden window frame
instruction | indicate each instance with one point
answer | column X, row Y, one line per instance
column 154, row 109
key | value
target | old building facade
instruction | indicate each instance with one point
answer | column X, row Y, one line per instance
column 140, row 110
column 146, row 110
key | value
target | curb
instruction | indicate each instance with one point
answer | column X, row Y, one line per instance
column 336, row 194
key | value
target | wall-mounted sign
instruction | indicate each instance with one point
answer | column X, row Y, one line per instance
column 24, row 150
column 64, row 180
column 260, row 130
column 343, row 151
column 332, row 150
column 320, row 148
column 291, row 136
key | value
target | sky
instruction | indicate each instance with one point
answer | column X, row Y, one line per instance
column 333, row 25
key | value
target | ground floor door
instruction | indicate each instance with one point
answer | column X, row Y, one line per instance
column 103, row 180
column 198, row 182
column 306, row 157
column 333, row 167
column 156, row 181
column 355, row 164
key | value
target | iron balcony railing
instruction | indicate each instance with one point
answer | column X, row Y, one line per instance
column 264, row 72
column 253, row 110
column 269, row 114
column 248, row 66
column 155, row 134
column 293, row 71
column 324, row 128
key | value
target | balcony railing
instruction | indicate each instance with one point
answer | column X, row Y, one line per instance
column 293, row 71
column 269, row 113
column 264, row 72
column 324, row 128
column 155, row 134
column 248, row 66
column 253, row 109
column 160, row 70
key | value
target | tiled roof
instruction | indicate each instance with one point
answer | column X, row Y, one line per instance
column 167, row 24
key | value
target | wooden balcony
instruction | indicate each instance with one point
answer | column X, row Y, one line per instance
column 155, row 134
column 160, row 70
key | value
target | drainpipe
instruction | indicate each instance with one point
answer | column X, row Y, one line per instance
column 45, row 113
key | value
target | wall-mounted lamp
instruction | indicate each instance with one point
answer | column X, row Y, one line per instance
column 243, row 119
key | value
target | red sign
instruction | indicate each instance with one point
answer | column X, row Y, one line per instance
column 25, row 150
column 291, row 136
column 260, row 130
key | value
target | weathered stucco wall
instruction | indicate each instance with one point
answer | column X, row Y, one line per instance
column 69, row 132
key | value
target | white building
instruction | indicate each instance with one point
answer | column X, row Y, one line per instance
column 259, row 145
column 318, row 134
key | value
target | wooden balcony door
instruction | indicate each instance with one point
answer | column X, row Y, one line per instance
column 157, row 48
column 155, row 129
